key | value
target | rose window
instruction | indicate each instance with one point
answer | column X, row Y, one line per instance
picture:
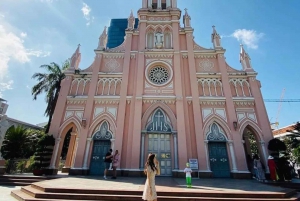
column 159, row 75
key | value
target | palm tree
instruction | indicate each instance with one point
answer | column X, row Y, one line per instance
column 50, row 84
column 16, row 144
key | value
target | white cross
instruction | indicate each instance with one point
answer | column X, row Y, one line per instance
column 159, row 116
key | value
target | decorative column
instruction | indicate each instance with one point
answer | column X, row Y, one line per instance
column 168, row 3
column 74, row 153
column 87, row 151
column 263, row 148
column 112, row 144
column 54, row 157
column 142, row 150
column 159, row 4
column 175, row 150
column 206, row 154
column 149, row 3
column 70, row 151
column 230, row 143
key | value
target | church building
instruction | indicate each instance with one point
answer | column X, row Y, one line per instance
column 160, row 92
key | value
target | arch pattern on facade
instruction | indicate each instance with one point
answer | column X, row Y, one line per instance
column 240, row 87
column 164, row 107
column 80, row 86
column 222, row 125
column 210, row 87
column 67, row 123
column 99, row 120
column 255, row 128
column 165, row 30
column 216, row 134
column 108, row 86
column 159, row 121
column 103, row 132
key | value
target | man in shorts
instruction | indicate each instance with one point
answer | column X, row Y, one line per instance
column 107, row 161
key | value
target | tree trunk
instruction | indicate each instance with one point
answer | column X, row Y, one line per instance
column 53, row 108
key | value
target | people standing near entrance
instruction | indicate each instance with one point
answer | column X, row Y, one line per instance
column 188, row 174
column 260, row 173
column 115, row 164
column 151, row 169
column 107, row 161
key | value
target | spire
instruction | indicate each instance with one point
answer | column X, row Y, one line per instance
column 102, row 40
column 245, row 60
column 75, row 59
column 216, row 39
column 131, row 21
column 186, row 19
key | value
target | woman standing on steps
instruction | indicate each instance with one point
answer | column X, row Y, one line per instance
column 151, row 169
column 115, row 164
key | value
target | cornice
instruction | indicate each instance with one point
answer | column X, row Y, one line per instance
column 110, row 75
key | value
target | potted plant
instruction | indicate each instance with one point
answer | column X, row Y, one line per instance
column 42, row 156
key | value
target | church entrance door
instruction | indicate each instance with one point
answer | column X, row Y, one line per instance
column 160, row 144
column 100, row 148
column 219, row 163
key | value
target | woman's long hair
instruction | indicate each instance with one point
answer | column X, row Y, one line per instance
column 150, row 162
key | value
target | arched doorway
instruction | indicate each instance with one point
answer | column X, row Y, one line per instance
column 101, row 145
column 217, row 149
column 251, row 146
column 159, row 140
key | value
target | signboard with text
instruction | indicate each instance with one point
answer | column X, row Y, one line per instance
column 193, row 164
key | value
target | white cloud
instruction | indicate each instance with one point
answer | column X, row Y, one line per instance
column 12, row 48
column 23, row 35
column 86, row 10
column 250, row 38
column 5, row 86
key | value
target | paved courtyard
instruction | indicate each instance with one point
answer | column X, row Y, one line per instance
column 163, row 184
column 5, row 193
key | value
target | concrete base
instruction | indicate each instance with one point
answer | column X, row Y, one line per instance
column 2, row 167
column 241, row 175
column 205, row 174
column 65, row 170
column 51, row 171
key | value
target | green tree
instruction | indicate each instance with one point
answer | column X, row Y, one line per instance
column 42, row 156
column 253, row 144
column 295, row 136
column 49, row 83
column 16, row 144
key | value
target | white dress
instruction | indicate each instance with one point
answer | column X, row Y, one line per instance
column 150, row 179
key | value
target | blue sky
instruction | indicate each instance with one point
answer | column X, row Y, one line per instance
column 36, row 32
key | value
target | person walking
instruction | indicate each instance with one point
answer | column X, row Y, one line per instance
column 260, row 173
column 151, row 169
column 115, row 164
column 107, row 161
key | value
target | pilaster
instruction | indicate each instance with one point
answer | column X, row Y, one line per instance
column 88, row 112
column 230, row 109
column 60, row 106
column 196, row 106
column 138, row 102
column 123, row 94
column 181, row 125
column 70, row 153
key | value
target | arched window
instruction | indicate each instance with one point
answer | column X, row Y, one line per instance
column 150, row 40
column 168, row 40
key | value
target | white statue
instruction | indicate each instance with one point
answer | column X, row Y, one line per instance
column 159, row 40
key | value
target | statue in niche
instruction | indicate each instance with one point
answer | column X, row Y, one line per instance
column 159, row 40
column 103, row 130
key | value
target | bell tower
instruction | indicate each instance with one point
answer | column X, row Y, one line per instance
column 159, row 4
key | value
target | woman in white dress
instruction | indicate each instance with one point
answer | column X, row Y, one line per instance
column 151, row 169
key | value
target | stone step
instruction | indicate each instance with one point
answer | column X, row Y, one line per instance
column 22, row 196
column 38, row 188
column 14, row 183
column 37, row 194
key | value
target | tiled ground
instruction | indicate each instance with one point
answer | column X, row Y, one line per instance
column 162, row 184
column 5, row 193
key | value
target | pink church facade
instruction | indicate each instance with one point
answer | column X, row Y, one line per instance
column 160, row 92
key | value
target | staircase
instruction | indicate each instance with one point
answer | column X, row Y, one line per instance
column 20, row 180
column 38, row 192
